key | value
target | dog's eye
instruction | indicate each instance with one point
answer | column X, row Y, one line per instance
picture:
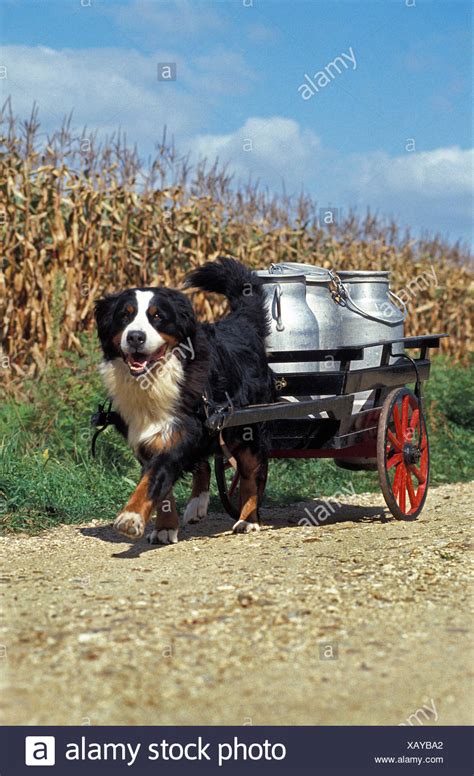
column 156, row 317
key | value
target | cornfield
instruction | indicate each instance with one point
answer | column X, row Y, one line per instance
column 79, row 218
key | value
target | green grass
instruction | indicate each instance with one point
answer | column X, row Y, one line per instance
column 47, row 475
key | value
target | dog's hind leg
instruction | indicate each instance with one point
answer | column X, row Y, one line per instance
column 249, row 465
column 196, row 507
column 166, row 523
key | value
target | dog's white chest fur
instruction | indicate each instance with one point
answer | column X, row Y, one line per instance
column 147, row 404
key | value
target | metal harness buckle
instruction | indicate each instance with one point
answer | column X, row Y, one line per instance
column 215, row 409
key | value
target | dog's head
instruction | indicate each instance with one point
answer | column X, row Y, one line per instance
column 143, row 325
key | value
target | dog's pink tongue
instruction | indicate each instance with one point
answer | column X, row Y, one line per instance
column 137, row 360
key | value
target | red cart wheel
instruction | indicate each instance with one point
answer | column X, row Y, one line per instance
column 403, row 457
column 228, row 485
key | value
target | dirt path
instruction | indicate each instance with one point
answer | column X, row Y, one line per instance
column 224, row 629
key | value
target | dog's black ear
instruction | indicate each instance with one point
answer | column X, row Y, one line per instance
column 185, row 320
column 104, row 310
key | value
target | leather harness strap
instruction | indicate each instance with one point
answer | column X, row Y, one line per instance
column 105, row 417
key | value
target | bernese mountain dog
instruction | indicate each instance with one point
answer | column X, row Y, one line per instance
column 163, row 369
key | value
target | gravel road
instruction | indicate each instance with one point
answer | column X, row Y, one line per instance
column 362, row 620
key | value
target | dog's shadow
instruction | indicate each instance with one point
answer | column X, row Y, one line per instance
column 313, row 514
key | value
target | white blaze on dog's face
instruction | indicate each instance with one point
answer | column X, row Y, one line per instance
column 142, row 325
column 139, row 337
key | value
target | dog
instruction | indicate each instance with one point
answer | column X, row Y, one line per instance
column 163, row 369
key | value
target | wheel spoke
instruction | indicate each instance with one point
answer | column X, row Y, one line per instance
column 414, row 420
column 394, row 460
column 418, row 474
column 396, row 480
column 398, row 424
column 424, row 464
column 411, row 490
column 405, row 401
column 402, row 495
column 393, row 439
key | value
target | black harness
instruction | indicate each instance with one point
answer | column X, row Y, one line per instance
column 105, row 416
column 102, row 419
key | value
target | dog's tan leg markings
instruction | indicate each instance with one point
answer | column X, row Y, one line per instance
column 196, row 507
column 249, row 509
column 248, row 466
column 135, row 515
column 166, row 523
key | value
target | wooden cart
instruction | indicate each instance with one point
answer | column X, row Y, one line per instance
column 389, row 436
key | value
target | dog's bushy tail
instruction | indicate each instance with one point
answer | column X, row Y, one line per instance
column 239, row 284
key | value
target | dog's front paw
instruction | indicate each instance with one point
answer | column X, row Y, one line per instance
column 163, row 536
column 130, row 524
column 196, row 509
column 242, row 526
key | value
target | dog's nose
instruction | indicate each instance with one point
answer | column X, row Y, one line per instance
column 136, row 338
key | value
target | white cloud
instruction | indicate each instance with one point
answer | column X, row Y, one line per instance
column 112, row 87
column 429, row 174
column 272, row 148
column 428, row 190
column 105, row 88
column 281, row 145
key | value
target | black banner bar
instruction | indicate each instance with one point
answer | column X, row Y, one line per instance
column 329, row 751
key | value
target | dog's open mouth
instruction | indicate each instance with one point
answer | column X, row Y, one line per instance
column 140, row 363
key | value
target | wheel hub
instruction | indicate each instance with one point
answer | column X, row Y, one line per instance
column 411, row 454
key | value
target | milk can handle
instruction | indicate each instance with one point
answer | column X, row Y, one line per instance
column 400, row 301
column 341, row 291
column 281, row 268
column 370, row 315
column 277, row 304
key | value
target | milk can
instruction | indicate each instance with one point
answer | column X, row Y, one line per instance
column 320, row 301
column 293, row 324
column 351, row 307
column 368, row 313
column 313, row 307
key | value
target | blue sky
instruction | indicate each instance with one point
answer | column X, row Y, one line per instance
column 390, row 129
